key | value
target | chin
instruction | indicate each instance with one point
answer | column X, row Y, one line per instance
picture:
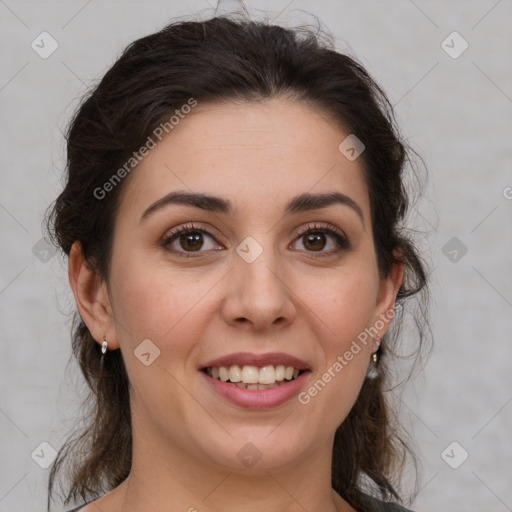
column 256, row 450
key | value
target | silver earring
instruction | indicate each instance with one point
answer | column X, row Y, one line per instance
column 373, row 369
column 104, row 346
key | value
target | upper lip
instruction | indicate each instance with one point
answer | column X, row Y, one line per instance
column 250, row 359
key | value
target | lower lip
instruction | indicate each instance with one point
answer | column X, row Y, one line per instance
column 257, row 398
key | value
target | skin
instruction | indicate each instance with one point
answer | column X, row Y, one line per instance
column 290, row 299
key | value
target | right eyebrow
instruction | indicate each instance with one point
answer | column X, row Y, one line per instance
column 202, row 201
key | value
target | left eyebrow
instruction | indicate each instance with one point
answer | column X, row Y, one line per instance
column 308, row 201
column 301, row 203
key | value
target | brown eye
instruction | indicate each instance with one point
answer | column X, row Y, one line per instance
column 314, row 241
column 323, row 240
column 192, row 241
column 188, row 240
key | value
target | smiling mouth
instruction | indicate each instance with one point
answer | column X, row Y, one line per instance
column 254, row 377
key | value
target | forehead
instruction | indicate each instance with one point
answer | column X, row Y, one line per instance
column 255, row 153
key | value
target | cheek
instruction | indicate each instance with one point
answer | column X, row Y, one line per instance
column 341, row 307
column 343, row 303
column 157, row 303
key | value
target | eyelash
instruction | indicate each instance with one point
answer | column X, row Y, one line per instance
column 338, row 236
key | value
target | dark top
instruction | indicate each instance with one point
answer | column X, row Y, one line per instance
column 372, row 505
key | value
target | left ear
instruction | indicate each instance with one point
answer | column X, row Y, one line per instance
column 388, row 290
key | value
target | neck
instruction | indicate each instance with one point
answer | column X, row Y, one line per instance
column 170, row 479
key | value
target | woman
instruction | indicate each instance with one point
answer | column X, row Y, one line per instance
column 233, row 219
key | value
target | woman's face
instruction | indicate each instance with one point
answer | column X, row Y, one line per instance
column 243, row 241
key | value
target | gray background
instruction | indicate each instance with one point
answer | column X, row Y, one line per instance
column 455, row 111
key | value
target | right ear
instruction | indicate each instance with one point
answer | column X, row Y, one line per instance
column 91, row 297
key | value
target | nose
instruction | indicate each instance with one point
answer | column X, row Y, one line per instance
column 259, row 296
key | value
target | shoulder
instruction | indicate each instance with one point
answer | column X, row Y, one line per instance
column 112, row 500
column 375, row 505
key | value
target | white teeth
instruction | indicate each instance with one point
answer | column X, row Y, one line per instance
column 223, row 373
column 250, row 374
column 257, row 386
column 267, row 375
column 235, row 373
column 252, row 377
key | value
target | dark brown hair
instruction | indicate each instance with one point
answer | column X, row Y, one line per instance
column 221, row 60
